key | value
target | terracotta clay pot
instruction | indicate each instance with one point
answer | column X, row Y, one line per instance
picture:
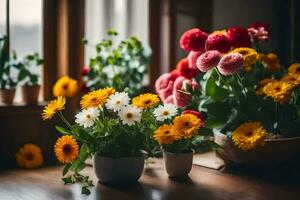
column 30, row 93
column 274, row 151
column 7, row 96
column 178, row 164
column 118, row 170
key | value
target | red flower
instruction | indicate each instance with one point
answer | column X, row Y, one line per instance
column 174, row 74
column 85, row 70
column 218, row 42
column 194, row 112
column 239, row 37
column 257, row 25
column 184, row 69
column 193, row 40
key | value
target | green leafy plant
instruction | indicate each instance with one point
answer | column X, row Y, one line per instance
column 28, row 68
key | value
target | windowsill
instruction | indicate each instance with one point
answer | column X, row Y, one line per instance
column 21, row 108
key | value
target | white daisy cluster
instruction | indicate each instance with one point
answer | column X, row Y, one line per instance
column 117, row 101
column 166, row 111
column 87, row 117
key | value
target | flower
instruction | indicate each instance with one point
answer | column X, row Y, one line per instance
column 196, row 113
column 53, row 107
column 250, row 56
column 192, row 58
column 166, row 111
column 117, row 101
column 259, row 32
column 164, row 86
column 230, row 63
column 174, row 74
column 239, row 37
column 208, row 60
column 147, row 100
column 193, row 40
column 181, row 98
column 66, row 149
column 222, row 32
column 184, row 69
column 85, row 70
column 65, row 86
column 165, row 134
column 96, row 98
column 294, row 68
column 271, row 61
column 130, row 114
column 187, row 125
column 249, row 135
column 29, row 156
column 87, row 117
column 280, row 91
column 218, row 42
column 293, row 79
column 261, row 84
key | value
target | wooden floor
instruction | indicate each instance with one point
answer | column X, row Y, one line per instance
column 203, row 183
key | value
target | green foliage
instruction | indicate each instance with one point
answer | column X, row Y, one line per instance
column 121, row 66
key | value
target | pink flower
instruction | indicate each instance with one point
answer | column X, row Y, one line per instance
column 85, row 70
column 239, row 37
column 218, row 42
column 208, row 60
column 170, row 99
column 184, row 69
column 259, row 32
column 193, row 40
column 192, row 58
column 230, row 64
column 181, row 98
column 164, row 86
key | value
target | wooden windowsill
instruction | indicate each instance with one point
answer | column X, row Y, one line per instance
column 21, row 108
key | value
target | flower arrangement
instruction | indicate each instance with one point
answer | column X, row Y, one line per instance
column 121, row 66
column 244, row 93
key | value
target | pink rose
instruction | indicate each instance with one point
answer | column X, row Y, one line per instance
column 164, row 86
column 170, row 99
column 192, row 58
column 208, row 60
column 230, row 64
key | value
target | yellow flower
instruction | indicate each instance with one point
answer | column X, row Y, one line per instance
column 271, row 61
column 280, row 91
column 66, row 149
column 187, row 125
column 249, row 135
column 250, row 57
column 145, row 100
column 29, row 156
column 53, row 107
column 294, row 68
column 221, row 32
column 293, row 79
column 166, row 134
column 65, row 86
column 261, row 84
column 96, row 98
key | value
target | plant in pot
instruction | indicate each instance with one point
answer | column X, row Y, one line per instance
column 29, row 77
column 116, row 132
column 122, row 66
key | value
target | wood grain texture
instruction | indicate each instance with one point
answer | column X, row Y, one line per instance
column 203, row 183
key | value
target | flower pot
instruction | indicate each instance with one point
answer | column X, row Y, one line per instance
column 118, row 170
column 178, row 164
column 7, row 96
column 30, row 93
column 274, row 151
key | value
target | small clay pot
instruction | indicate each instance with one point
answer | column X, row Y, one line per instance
column 178, row 164
column 7, row 96
column 118, row 170
column 30, row 93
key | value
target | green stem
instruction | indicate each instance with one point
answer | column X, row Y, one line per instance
column 64, row 119
column 241, row 84
column 221, row 77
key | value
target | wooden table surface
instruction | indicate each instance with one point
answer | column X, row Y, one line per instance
column 203, row 183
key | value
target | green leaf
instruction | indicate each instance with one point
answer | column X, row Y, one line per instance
column 77, row 165
column 68, row 180
column 85, row 190
column 62, row 130
column 214, row 91
column 204, row 131
column 66, row 168
column 84, row 151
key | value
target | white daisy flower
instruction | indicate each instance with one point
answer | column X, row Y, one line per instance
column 130, row 114
column 117, row 101
column 164, row 112
column 87, row 117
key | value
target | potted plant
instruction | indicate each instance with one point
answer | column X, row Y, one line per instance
column 249, row 99
column 7, row 81
column 29, row 77
column 122, row 66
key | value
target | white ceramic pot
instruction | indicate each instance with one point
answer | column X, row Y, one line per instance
column 118, row 170
column 178, row 164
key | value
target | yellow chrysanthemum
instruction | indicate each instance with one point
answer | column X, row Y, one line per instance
column 280, row 91
column 293, row 79
column 271, row 61
column 53, row 107
column 166, row 134
column 29, row 156
column 250, row 57
column 187, row 125
column 96, row 98
column 65, row 86
column 294, row 68
column 66, row 149
column 220, row 32
column 261, row 84
column 145, row 100
column 249, row 135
